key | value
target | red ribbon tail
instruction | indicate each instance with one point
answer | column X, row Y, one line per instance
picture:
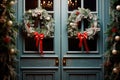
column 86, row 46
column 37, row 42
column 80, row 42
column 41, row 46
column 36, row 38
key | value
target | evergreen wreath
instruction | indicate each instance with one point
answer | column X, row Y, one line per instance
column 38, row 21
column 78, row 15
column 38, row 24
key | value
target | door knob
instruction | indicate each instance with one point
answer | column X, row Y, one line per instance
column 56, row 62
column 64, row 62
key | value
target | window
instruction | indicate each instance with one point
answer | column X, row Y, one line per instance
column 90, row 4
column 29, row 43
column 73, row 42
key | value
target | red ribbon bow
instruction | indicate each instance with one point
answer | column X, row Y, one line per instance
column 82, row 38
column 39, row 37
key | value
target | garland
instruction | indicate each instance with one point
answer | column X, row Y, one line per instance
column 38, row 24
column 8, row 36
column 112, row 53
column 73, row 25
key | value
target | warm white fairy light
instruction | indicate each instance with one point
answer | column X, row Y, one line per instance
column 46, row 4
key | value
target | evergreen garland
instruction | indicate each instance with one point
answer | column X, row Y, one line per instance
column 112, row 55
column 8, row 34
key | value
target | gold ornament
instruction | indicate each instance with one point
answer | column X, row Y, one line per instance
column 9, row 23
column 28, row 34
column 114, row 51
column 12, row 3
column 73, row 24
column 115, row 70
column 48, row 18
column 118, row 7
column 29, row 11
column 12, row 51
column 117, row 38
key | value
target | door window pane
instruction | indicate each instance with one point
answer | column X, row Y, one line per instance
column 73, row 43
column 28, row 4
column 73, row 4
column 30, row 44
column 47, row 4
column 92, row 44
column 90, row 4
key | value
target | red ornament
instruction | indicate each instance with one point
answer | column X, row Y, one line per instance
column 114, row 29
column 77, row 12
column 6, row 39
column 107, row 63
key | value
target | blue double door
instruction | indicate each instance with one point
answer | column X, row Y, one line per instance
column 62, row 59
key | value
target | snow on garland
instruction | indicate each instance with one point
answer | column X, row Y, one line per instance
column 38, row 24
column 73, row 29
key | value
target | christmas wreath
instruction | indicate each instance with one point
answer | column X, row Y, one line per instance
column 73, row 29
column 38, row 24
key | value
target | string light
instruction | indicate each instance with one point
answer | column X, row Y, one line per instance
column 47, row 4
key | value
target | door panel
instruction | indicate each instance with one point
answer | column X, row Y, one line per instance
column 78, row 64
column 82, row 74
column 62, row 59
column 33, row 65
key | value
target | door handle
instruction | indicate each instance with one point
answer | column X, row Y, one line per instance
column 56, row 62
column 64, row 61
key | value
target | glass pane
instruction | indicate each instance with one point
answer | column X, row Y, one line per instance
column 73, row 4
column 73, row 44
column 79, row 25
column 28, row 4
column 92, row 44
column 47, row 4
column 30, row 44
column 48, row 44
column 90, row 4
column 86, row 24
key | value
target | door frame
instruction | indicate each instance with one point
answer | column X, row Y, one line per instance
column 60, row 13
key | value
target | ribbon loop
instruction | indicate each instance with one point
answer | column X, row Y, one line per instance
column 82, row 39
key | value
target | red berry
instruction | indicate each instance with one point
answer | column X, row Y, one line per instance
column 6, row 39
column 77, row 12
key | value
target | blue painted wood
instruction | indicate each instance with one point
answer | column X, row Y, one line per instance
column 79, row 66
column 84, row 66
column 39, row 75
